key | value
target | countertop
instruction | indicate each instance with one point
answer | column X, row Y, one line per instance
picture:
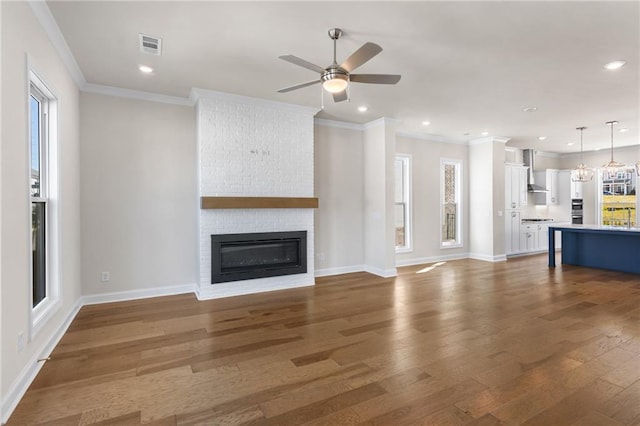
column 594, row 228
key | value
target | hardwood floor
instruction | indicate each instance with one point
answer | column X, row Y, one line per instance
column 462, row 342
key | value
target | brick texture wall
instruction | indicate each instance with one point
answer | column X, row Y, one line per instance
column 250, row 147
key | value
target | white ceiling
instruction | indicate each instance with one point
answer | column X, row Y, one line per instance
column 466, row 67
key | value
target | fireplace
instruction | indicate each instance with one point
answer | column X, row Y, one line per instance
column 236, row 257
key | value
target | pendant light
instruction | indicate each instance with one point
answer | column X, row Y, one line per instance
column 612, row 166
column 581, row 173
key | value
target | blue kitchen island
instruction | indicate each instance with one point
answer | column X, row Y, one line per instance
column 604, row 247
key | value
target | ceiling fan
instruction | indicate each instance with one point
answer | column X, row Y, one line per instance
column 336, row 78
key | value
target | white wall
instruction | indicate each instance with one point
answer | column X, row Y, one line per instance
column 486, row 199
column 379, row 190
column 253, row 148
column 22, row 34
column 426, row 155
column 139, row 195
column 339, row 186
column 1, row 346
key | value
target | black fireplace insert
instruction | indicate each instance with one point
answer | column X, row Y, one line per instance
column 236, row 257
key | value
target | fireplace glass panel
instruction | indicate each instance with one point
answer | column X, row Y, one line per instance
column 236, row 257
column 241, row 256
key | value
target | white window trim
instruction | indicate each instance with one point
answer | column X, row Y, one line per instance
column 598, row 189
column 459, row 176
column 408, row 172
column 52, row 302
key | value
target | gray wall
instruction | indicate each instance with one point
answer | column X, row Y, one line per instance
column 339, row 185
column 425, row 159
column 139, row 194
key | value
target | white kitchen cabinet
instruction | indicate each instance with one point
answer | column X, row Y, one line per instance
column 528, row 238
column 549, row 180
column 515, row 180
column 543, row 237
column 534, row 237
column 576, row 190
column 512, row 232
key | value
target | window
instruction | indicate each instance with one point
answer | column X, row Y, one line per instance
column 42, row 191
column 403, row 203
column 450, row 201
column 617, row 200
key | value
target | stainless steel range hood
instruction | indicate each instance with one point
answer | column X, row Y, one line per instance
column 528, row 156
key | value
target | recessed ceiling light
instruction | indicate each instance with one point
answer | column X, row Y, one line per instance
column 623, row 130
column 571, row 143
column 614, row 65
column 541, row 138
column 362, row 108
column 485, row 133
column 426, row 123
column 145, row 69
column 529, row 109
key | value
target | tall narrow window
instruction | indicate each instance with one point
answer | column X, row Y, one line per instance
column 451, row 206
column 43, row 192
column 38, row 119
column 403, row 203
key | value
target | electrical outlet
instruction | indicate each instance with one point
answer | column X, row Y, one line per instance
column 104, row 277
column 20, row 341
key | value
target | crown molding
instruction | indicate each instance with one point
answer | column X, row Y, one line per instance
column 382, row 121
column 198, row 94
column 50, row 26
column 429, row 137
column 136, row 94
column 338, row 124
column 487, row 139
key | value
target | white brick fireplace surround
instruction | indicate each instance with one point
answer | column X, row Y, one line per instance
column 252, row 148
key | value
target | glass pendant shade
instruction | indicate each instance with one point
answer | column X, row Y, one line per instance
column 612, row 166
column 581, row 173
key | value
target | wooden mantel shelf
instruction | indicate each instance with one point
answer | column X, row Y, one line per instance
column 258, row 203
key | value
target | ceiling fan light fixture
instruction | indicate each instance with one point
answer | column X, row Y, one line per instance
column 335, row 85
column 335, row 81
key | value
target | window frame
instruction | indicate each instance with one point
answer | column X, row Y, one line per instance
column 458, row 194
column 406, row 160
column 599, row 196
column 48, row 196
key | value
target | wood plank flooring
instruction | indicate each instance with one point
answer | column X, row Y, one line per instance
column 458, row 343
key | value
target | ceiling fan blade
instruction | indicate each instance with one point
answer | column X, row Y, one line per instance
column 301, row 62
column 298, row 86
column 360, row 56
column 340, row 96
column 375, row 78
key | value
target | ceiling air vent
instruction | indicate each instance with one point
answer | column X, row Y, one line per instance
column 150, row 44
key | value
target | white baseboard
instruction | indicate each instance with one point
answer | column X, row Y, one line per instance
column 384, row 273
column 487, row 257
column 239, row 288
column 432, row 259
column 28, row 374
column 121, row 296
column 339, row 270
